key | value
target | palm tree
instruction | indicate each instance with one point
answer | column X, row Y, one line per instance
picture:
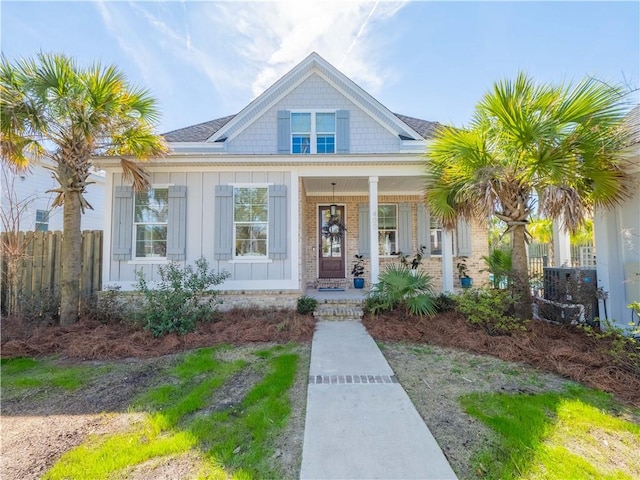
column 555, row 145
column 50, row 107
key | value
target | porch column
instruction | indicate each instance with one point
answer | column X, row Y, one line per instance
column 374, row 255
column 561, row 245
column 447, row 261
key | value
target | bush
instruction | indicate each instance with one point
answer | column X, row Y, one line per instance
column 398, row 286
column 107, row 306
column 445, row 302
column 306, row 305
column 492, row 310
column 180, row 299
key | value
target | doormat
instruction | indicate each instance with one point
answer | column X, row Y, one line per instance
column 329, row 289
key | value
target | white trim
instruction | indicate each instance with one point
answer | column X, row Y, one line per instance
column 106, row 228
column 250, row 260
column 294, row 221
column 374, row 256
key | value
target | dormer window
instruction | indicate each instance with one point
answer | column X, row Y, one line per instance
column 313, row 132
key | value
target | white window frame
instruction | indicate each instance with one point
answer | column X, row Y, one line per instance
column 313, row 134
column 249, row 258
column 152, row 259
column 432, row 231
column 395, row 205
column 44, row 221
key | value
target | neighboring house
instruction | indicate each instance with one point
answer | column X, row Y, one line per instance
column 251, row 193
column 27, row 205
column 617, row 238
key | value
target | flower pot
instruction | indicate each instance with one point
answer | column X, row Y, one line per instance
column 466, row 282
column 358, row 282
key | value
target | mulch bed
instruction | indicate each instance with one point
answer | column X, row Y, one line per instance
column 566, row 350
column 562, row 349
column 90, row 339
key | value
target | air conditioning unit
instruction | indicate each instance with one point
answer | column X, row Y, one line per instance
column 569, row 295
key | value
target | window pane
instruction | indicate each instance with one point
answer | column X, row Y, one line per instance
column 251, row 240
column 386, row 242
column 151, row 240
column 326, row 144
column 152, row 206
column 435, row 235
column 42, row 216
column 387, row 217
column 301, row 144
column 325, row 122
column 300, row 123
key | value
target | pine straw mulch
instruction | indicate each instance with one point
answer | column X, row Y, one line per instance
column 566, row 350
column 562, row 349
column 94, row 340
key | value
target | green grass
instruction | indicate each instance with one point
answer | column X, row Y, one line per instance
column 578, row 434
column 20, row 374
column 233, row 443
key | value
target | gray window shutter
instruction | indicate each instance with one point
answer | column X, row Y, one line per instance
column 122, row 223
column 464, row 238
column 177, row 223
column 363, row 229
column 424, row 229
column 278, row 222
column 342, row 131
column 405, row 242
column 284, row 132
column 223, row 247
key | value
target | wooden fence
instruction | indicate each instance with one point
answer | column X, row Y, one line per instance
column 32, row 265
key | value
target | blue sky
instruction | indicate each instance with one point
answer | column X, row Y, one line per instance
column 431, row 60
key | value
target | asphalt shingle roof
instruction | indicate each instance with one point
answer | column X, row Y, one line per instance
column 202, row 131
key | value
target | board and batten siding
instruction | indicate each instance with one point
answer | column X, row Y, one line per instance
column 365, row 134
column 201, row 226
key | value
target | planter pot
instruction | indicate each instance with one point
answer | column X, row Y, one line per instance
column 358, row 282
column 466, row 282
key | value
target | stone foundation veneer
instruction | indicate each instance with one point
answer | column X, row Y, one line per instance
column 259, row 300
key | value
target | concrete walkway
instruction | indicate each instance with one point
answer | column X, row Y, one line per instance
column 360, row 423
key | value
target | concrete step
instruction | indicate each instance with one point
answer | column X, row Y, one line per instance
column 339, row 310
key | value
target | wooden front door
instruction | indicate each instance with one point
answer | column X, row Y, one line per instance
column 331, row 250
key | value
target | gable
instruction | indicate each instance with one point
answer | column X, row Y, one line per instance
column 314, row 85
column 367, row 135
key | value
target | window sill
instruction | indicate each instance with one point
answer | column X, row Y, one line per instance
column 251, row 260
column 148, row 261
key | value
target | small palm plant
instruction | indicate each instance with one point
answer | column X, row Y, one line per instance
column 399, row 288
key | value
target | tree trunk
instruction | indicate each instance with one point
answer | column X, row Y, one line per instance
column 71, row 245
column 521, row 273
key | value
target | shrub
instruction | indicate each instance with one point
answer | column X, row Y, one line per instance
column 306, row 305
column 398, row 286
column 445, row 302
column 621, row 344
column 107, row 306
column 179, row 299
column 492, row 310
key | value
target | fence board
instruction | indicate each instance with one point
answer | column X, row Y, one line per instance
column 40, row 266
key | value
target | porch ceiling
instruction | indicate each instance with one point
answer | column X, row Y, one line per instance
column 351, row 186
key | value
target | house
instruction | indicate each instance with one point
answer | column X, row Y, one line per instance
column 252, row 192
column 617, row 239
column 26, row 203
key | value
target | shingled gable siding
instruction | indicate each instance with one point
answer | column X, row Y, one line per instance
column 123, row 223
column 277, row 249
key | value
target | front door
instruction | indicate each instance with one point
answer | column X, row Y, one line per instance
column 331, row 251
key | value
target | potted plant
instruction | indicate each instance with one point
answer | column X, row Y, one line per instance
column 358, row 272
column 414, row 263
column 465, row 280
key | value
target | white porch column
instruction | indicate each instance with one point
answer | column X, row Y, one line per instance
column 561, row 245
column 447, row 261
column 374, row 255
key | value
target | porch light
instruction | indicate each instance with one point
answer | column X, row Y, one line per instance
column 333, row 208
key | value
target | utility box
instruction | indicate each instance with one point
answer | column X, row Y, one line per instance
column 569, row 294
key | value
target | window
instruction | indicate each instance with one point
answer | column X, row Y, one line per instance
column 387, row 229
column 313, row 132
column 150, row 222
column 250, row 221
column 42, row 220
column 435, row 236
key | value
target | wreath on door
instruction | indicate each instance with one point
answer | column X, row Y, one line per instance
column 334, row 229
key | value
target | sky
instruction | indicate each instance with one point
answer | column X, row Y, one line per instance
column 203, row 60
